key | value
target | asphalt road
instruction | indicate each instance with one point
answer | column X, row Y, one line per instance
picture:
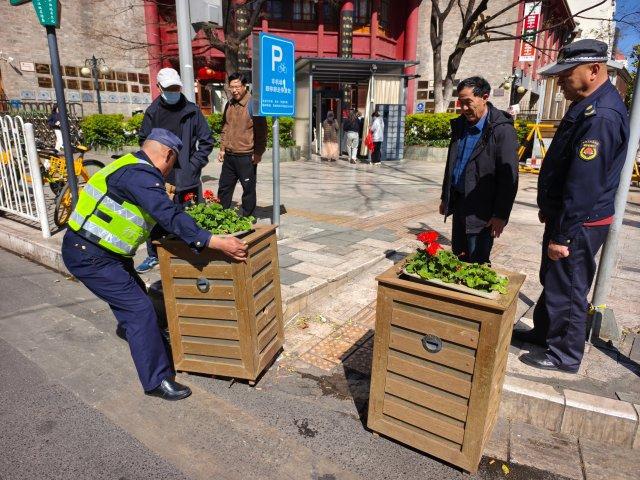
column 71, row 407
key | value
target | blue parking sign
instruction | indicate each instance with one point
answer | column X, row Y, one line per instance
column 276, row 85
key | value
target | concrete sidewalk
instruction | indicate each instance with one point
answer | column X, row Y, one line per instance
column 342, row 223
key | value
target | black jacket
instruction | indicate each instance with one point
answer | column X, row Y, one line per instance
column 581, row 171
column 196, row 140
column 491, row 175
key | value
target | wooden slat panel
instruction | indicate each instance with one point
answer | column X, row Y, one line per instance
column 258, row 248
column 206, row 311
column 263, row 259
column 422, row 418
column 379, row 362
column 452, row 332
column 266, row 297
column 170, row 305
column 426, row 396
column 270, row 351
column 213, row 271
column 222, row 292
column 262, row 280
column 411, row 342
column 265, row 337
column 266, row 316
column 212, row 366
column 211, row 347
column 423, row 372
column 210, row 330
column 424, row 441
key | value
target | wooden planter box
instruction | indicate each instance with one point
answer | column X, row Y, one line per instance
column 439, row 360
column 225, row 317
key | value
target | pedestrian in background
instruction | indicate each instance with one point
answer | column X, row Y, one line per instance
column 330, row 148
column 576, row 193
column 242, row 144
column 172, row 111
column 352, row 128
column 481, row 176
column 54, row 123
column 377, row 132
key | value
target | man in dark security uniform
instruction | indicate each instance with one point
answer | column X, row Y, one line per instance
column 576, row 191
column 115, row 214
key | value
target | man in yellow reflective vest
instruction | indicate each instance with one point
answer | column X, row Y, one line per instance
column 115, row 214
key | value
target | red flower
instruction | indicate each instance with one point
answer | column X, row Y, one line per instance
column 188, row 197
column 209, row 196
column 428, row 237
column 433, row 248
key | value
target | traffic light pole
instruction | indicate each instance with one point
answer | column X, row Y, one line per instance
column 62, row 109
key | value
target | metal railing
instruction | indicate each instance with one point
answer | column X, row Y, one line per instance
column 21, row 188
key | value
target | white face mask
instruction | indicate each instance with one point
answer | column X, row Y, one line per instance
column 171, row 97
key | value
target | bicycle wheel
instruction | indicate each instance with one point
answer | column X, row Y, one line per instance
column 56, row 187
column 63, row 207
column 89, row 167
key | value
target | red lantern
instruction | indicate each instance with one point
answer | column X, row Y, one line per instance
column 206, row 73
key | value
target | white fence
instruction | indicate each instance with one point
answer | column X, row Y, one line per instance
column 21, row 191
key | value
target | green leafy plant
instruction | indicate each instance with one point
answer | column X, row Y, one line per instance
column 212, row 217
column 104, row 130
column 433, row 262
column 428, row 129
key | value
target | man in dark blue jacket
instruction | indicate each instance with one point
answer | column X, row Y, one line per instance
column 576, row 191
column 173, row 112
column 481, row 176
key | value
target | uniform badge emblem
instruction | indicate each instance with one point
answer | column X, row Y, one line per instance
column 589, row 111
column 589, row 150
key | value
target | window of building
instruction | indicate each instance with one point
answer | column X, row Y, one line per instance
column 384, row 14
column 276, row 9
column 362, row 13
column 304, row 10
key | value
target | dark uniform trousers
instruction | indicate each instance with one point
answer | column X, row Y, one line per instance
column 238, row 167
column 114, row 280
column 560, row 315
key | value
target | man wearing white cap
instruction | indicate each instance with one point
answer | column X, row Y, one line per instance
column 173, row 112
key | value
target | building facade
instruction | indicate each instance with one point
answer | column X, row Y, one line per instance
column 87, row 28
column 376, row 29
column 511, row 65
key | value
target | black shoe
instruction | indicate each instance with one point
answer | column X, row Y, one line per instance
column 121, row 332
column 170, row 390
column 528, row 336
column 540, row 360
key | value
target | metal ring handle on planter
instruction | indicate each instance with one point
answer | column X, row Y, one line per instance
column 203, row 284
column 432, row 343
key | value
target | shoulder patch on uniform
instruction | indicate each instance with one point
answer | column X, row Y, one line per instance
column 589, row 111
column 589, row 149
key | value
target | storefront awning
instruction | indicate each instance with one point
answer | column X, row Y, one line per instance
column 349, row 70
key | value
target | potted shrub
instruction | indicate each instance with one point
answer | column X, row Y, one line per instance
column 442, row 335
column 224, row 316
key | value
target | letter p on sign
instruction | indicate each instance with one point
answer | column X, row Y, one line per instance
column 276, row 56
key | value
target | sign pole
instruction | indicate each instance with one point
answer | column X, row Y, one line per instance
column 605, row 326
column 276, row 171
column 184, row 49
column 62, row 109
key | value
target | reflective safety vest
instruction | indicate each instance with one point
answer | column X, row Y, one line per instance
column 108, row 220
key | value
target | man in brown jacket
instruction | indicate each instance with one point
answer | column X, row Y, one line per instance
column 242, row 143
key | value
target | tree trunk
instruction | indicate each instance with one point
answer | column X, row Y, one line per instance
column 436, row 47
